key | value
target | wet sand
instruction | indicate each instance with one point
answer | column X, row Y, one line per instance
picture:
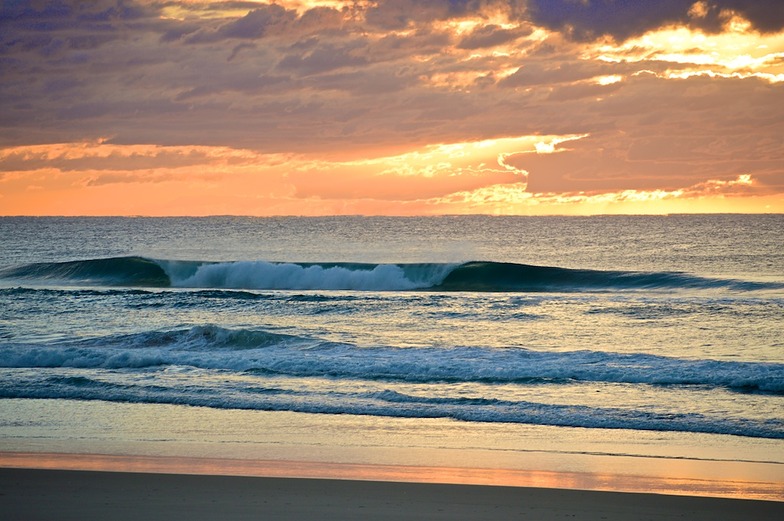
column 41, row 494
column 29, row 494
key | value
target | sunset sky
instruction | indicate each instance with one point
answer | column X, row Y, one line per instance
column 393, row 107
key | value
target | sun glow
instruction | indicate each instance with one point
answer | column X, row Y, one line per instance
column 486, row 176
column 733, row 53
column 608, row 80
column 454, row 159
column 710, row 196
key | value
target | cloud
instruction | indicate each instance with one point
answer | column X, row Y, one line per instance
column 98, row 155
column 512, row 199
column 263, row 20
column 429, row 172
column 491, row 36
column 623, row 19
column 322, row 58
column 539, row 73
column 417, row 174
column 399, row 14
column 663, row 106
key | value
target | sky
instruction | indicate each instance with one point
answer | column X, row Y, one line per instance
column 391, row 107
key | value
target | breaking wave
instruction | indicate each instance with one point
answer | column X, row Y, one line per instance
column 262, row 351
column 261, row 275
column 248, row 369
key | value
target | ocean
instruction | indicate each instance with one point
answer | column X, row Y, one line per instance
column 630, row 336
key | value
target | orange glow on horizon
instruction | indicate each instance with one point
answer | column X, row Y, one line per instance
column 461, row 178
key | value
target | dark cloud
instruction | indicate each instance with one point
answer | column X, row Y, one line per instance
column 177, row 31
column 100, row 108
column 398, row 14
column 51, row 27
column 61, row 85
column 380, row 80
column 246, row 82
column 491, row 36
column 263, row 21
column 764, row 15
column 538, row 73
column 258, row 22
column 622, row 19
column 52, row 14
column 320, row 19
column 422, row 42
column 322, row 58
column 28, row 160
column 574, row 92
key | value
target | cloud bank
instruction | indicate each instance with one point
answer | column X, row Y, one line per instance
column 393, row 106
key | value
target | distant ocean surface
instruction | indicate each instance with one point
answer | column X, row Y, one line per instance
column 665, row 323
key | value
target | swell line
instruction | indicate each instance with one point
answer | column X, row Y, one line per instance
column 474, row 276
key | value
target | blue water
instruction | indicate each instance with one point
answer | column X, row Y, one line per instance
column 636, row 323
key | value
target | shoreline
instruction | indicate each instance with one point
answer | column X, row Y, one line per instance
column 411, row 474
column 91, row 495
column 173, row 439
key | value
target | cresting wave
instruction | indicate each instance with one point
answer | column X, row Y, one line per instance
column 261, row 275
column 265, row 370
column 263, row 352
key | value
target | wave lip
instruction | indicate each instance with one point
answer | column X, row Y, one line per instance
column 474, row 276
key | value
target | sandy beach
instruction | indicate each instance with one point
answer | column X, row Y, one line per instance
column 86, row 495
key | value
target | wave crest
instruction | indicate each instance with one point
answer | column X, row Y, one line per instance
column 262, row 275
column 284, row 276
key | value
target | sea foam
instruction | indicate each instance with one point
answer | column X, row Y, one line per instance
column 267, row 275
column 269, row 352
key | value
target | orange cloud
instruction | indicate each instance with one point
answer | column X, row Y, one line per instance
column 733, row 195
column 164, row 180
column 457, row 178
column 390, row 107
column 736, row 52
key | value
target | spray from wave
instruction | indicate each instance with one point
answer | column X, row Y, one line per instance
column 268, row 275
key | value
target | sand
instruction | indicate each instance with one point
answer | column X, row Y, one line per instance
column 37, row 494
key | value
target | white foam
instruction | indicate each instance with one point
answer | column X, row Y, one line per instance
column 267, row 275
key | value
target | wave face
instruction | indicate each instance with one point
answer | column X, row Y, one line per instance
column 116, row 271
column 271, row 370
column 262, row 275
column 498, row 276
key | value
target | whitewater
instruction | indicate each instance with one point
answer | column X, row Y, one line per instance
column 637, row 326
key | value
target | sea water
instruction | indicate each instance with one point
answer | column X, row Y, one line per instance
column 507, row 334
